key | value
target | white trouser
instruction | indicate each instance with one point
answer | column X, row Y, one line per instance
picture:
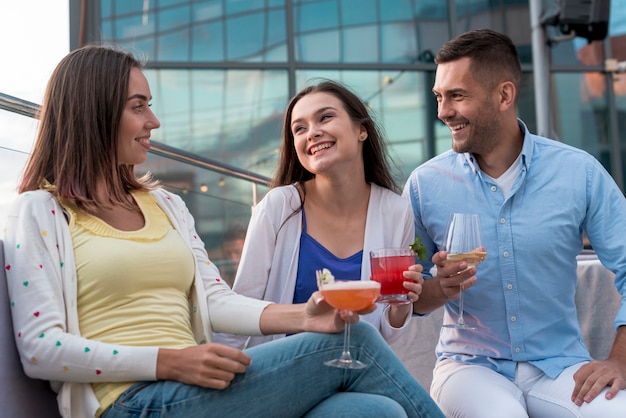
column 470, row 391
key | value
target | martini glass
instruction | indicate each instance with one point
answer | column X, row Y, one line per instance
column 349, row 295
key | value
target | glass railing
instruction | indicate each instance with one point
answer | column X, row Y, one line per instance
column 219, row 196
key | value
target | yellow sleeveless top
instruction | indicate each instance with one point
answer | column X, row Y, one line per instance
column 133, row 286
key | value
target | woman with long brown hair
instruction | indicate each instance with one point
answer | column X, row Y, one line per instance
column 333, row 199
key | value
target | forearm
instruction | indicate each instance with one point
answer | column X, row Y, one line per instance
column 431, row 298
column 283, row 319
column 618, row 351
column 397, row 315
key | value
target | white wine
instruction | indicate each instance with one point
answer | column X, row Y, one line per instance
column 472, row 259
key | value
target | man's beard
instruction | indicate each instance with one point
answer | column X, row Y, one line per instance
column 484, row 133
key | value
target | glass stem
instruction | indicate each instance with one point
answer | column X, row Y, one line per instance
column 345, row 356
column 461, row 321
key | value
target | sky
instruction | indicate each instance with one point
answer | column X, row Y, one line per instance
column 34, row 36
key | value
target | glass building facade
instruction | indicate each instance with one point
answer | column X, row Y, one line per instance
column 222, row 72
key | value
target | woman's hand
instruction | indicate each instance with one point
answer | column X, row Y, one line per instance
column 414, row 282
column 321, row 317
column 209, row 365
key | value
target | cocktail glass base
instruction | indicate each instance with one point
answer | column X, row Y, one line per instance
column 345, row 363
column 399, row 299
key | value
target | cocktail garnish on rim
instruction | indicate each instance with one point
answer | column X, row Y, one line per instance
column 324, row 277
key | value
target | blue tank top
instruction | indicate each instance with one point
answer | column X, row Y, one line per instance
column 314, row 256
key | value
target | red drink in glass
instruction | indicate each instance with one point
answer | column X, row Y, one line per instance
column 387, row 265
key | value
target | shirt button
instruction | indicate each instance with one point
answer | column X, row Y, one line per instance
column 513, row 318
column 517, row 349
column 494, row 188
column 506, row 253
column 509, row 286
column 502, row 220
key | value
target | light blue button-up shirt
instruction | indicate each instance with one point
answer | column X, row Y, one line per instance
column 522, row 305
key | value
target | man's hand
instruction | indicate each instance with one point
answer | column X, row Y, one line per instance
column 594, row 376
column 209, row 365
column 451, row 275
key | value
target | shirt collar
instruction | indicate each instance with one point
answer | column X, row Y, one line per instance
column 528, row 146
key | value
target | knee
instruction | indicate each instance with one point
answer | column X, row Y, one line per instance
column 364, row 331
column 380, row 406
column 351, row 404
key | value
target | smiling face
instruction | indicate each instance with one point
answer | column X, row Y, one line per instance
column 325, row 138
column 137, row 121
column 467, row 107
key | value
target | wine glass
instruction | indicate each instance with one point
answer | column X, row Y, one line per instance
column 463, row 242
column 349, row 295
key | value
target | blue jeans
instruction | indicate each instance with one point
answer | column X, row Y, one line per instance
column 287, row 378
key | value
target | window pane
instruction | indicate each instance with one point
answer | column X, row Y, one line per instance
column 315, row 15
column 398, row 42
column 355, row 12
column 264, row 34
column 239, row 6
column 166, row 3
column 397, row 10
column 308, row 47
column 360, row 44
column 173, row 19
column 207, row 10
column 208, row 42
column 173, row 46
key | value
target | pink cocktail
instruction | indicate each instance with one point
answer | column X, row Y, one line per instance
column 387, row 265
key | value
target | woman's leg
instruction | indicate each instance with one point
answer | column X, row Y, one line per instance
column 342, row 405
column 287, row 378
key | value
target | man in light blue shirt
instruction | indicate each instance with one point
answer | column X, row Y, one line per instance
column 535, row 197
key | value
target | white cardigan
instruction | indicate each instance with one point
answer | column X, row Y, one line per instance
column 41, row 278
column 269, row 262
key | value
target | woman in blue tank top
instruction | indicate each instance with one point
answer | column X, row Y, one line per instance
column 333, row 199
